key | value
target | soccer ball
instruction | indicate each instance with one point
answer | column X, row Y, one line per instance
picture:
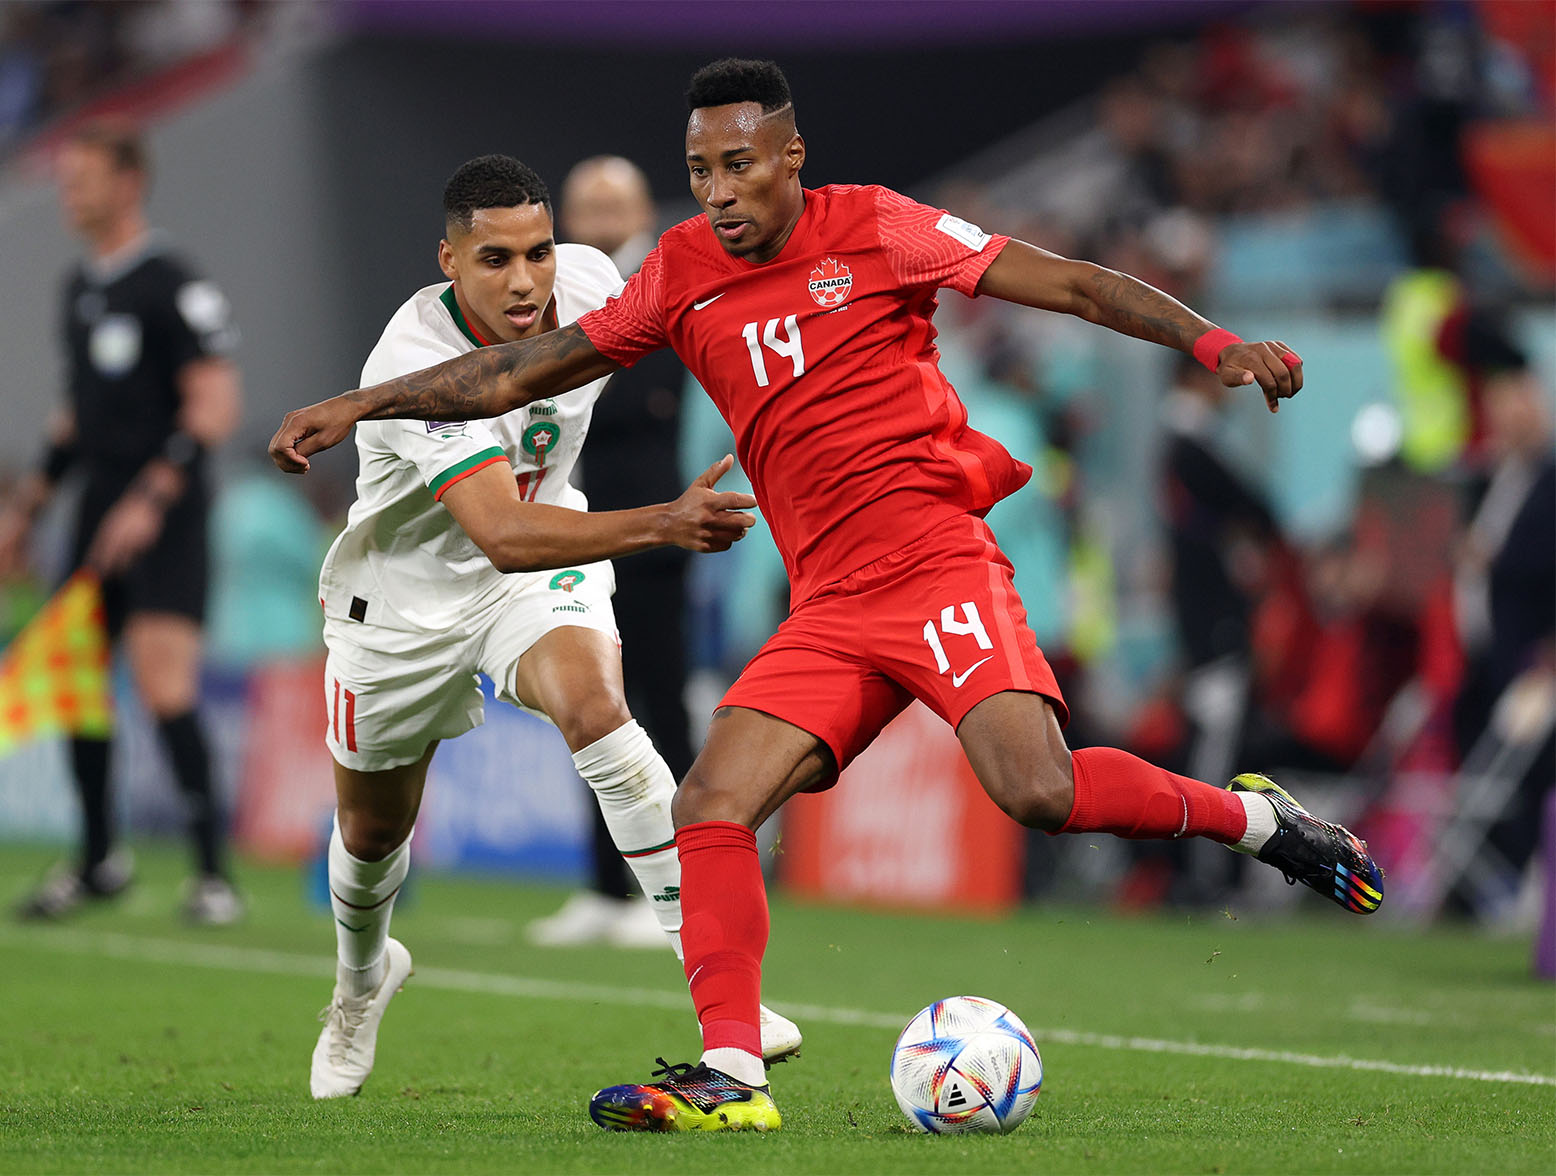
column 966, row 1064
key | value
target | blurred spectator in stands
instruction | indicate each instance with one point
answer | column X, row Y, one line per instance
column 631, row 457
column 58, row 57
column 157, row 33
column 1506, row 603
column 1423, row 321
column 21, row 72
column 1222, row 537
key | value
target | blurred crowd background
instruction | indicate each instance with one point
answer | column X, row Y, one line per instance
column 1358, row 592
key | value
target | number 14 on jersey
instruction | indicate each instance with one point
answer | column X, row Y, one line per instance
column 789, row 347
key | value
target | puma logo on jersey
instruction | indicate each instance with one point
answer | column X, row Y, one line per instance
column 709, row 301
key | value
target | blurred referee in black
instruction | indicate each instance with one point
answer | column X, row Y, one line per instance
column 151, row 390
column 632, row 451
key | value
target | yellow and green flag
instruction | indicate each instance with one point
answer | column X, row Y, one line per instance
column 54, row 675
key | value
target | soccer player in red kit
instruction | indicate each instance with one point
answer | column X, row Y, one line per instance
column 806, row 314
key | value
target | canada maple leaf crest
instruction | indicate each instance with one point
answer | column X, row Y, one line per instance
column 830, row 283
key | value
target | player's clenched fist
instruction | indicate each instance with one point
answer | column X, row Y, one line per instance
column 310, row 430
column 705, row 519
column 1275, row 367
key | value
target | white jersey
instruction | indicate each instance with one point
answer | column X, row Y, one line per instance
column 403, row 562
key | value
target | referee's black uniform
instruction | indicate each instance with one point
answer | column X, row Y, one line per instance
column 131, row 324
column 129, row 328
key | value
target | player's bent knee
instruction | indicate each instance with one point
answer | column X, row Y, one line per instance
column 593, row 721
column 700, row 799
column 371, row 839
column 1044, row 803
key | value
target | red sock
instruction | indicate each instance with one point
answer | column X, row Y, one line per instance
column 1122, row 794
column 723, row 931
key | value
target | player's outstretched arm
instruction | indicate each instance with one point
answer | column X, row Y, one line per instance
column 519, row 536
column 483, row 383
column 1034, row 277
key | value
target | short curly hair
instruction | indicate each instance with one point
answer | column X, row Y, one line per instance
column 736, row 79
column 491, row 181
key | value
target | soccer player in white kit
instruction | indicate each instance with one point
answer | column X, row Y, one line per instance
column 468, row 551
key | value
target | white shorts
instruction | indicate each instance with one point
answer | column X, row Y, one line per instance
column 388, row 693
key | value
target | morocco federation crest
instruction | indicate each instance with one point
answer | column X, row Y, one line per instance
column 830, row 283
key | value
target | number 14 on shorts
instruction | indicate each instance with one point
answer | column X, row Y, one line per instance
column 971, row 626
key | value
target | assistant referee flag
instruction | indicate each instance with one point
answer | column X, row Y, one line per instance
column 54, row 675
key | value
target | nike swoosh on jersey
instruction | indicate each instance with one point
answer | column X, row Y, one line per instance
column 958, row 679
column 709, row 301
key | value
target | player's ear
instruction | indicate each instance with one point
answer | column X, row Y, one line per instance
column 446, row 260
column 794, row 154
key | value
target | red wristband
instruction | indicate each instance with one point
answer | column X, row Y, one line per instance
column 1208, row 347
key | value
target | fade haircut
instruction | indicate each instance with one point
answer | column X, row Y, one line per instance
column 491, row 181
column 117, row 138
column 735, row 79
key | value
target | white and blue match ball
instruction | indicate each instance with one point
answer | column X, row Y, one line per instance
column 966, row 1063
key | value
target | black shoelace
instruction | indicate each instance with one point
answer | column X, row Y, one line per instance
column 681, row 1071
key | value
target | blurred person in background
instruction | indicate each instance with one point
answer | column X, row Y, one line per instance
column 1221, row 532
column 1222, row 538
column 1505, row 590
column 151, row 390
column 633, row 442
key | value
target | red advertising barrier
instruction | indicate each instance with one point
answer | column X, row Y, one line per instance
column 907, row 825
column 286, row 790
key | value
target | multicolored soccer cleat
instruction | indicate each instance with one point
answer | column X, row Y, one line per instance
column 688, row 1098
column 1323, row 857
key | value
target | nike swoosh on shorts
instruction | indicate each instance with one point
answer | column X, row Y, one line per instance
column 958, row 679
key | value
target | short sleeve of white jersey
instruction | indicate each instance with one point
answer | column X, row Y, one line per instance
column 443, row 452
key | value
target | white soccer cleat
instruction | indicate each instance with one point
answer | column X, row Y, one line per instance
column 586, row 918
column 780, row 1037
column 636, row 925
column 343, row 1057
column 66, row 888
column 211, row 901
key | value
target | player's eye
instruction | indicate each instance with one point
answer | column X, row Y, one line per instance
column 740, row 165
column 700, row 172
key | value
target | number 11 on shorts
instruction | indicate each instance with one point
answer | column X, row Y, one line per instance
column 950, row 626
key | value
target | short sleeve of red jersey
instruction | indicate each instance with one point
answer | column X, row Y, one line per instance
column 632, row 323
column 930, row 247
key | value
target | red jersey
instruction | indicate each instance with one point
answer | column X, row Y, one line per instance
column 823, row 361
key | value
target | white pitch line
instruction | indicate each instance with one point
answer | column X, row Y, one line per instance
column 118, row 946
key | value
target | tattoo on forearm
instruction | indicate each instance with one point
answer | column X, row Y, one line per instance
column 1131, row 307
column 484, row 383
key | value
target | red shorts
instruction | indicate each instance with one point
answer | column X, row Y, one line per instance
column 938, row 620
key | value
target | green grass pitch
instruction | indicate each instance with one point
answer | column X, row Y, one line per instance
column 1202, row 1043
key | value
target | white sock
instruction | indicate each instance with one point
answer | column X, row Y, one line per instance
column 1261, row 822
column 633, row 785
column 362, row 897
column 738, row 1064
